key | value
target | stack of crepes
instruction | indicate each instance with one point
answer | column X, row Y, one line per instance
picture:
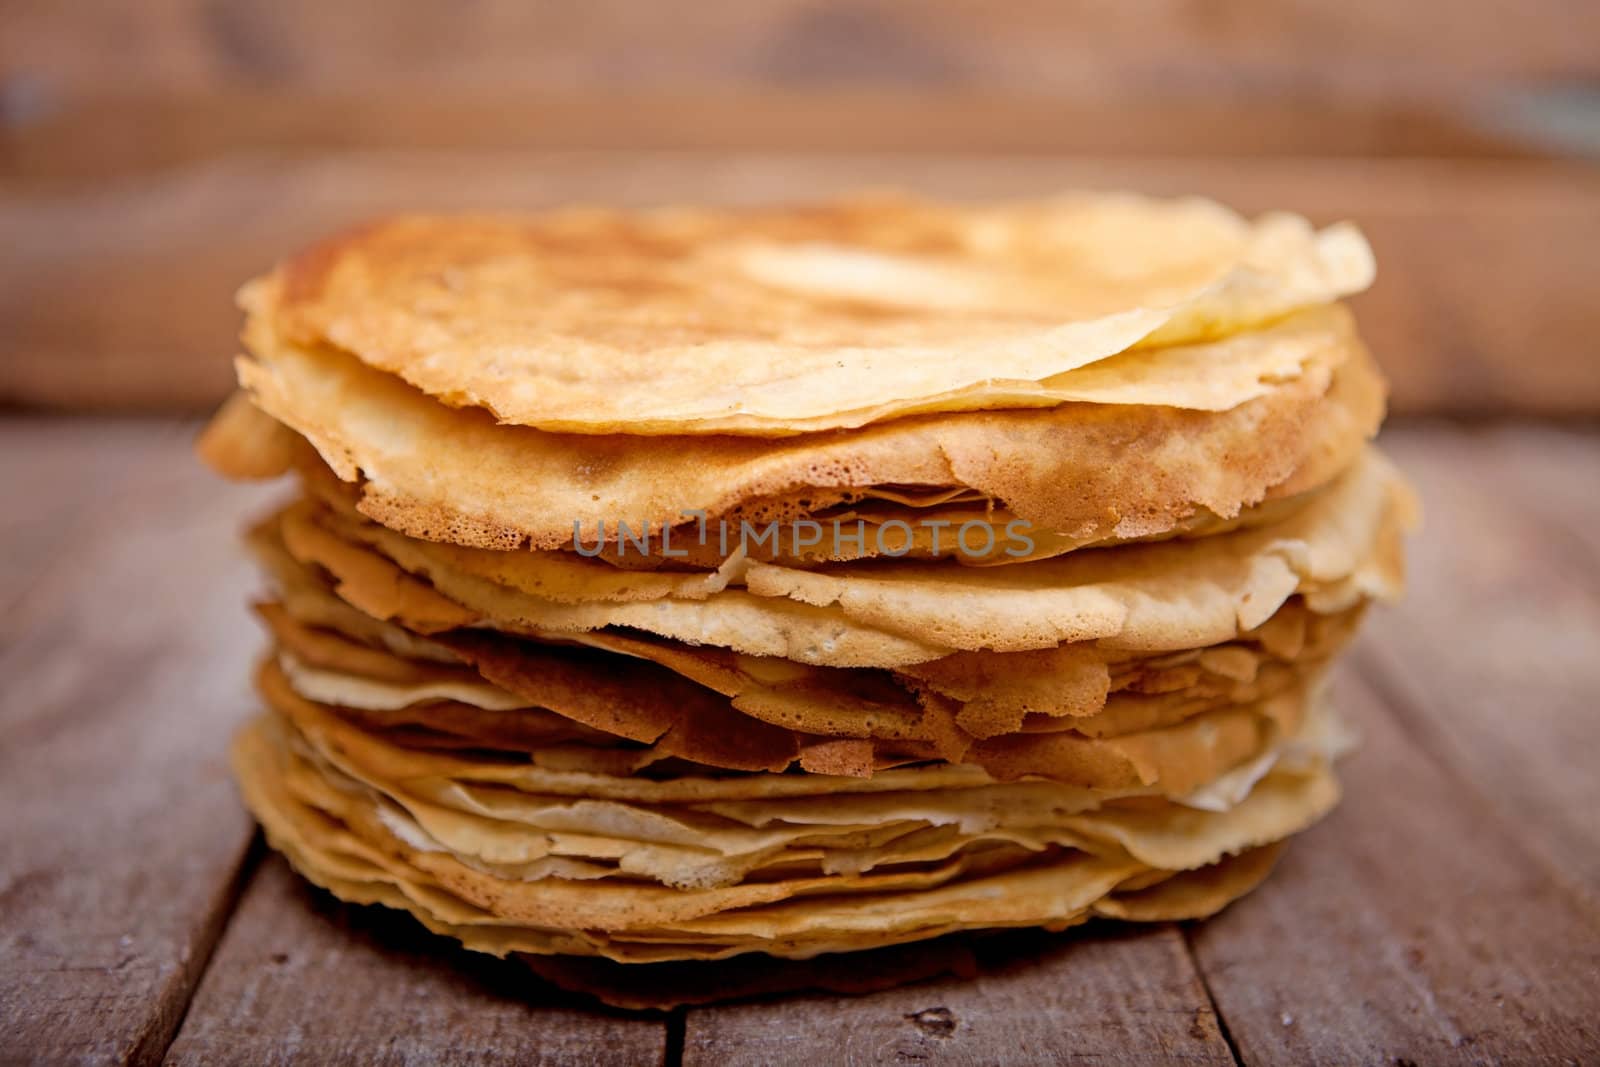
column 680, row 599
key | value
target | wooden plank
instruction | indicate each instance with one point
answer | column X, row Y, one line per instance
column 1413, row 926
column 301, row 978
column 92, row 137
column 1096, row 996
column 1494, row 659
column 1365, row 46
column 39, row 459
column 1548, row 470
column 1481, row 303
column 125, row 659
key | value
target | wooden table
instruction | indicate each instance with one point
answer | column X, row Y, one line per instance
column 1448, row 912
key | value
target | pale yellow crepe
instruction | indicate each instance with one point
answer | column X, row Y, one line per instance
column 803, row 319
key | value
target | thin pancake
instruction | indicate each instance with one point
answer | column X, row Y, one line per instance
column 457, row 475
column 797, row 320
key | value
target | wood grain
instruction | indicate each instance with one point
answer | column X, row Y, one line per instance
column 120, row 297
column 1414, row 926
column 1049, row 1005
column 38, row 457
column 123, row 652
column 1494, row 666
column 301, row 978
column 1541, row 468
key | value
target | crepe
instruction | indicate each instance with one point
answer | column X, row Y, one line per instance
column 715, row 831
column 662, row 985
column 793, row 320
column 1335, row 550
column 333, row 652
column 331, row 804
column 457, row 475
column 900, row 523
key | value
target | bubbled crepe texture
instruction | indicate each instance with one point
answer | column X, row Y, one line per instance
column 646, row 775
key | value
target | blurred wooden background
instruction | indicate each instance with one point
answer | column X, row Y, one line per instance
column 154, row 154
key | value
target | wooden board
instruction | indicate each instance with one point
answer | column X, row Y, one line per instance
column 357, row 985
column 1050, row 1004
column 123, row 647
column 1495, row 669
column 1446, row 913
column 1416, row 925
column 1536, row 465
column 121, row 296
column 37, row 458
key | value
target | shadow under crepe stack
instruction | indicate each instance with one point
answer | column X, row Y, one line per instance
column 678, row 600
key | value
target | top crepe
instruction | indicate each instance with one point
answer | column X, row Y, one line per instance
column 781, row 321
